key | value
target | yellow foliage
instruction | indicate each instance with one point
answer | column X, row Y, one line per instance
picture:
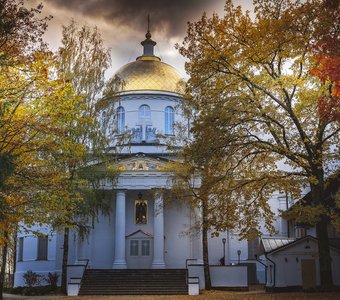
column 40, row 116
column 257, row 126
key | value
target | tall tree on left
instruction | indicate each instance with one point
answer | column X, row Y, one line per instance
column 20, row 37
column 36, row 109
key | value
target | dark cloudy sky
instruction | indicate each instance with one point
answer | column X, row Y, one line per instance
column 123, row 23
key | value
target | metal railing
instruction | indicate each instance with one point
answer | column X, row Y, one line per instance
column 80, row 278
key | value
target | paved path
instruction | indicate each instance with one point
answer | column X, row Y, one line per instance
column 211, row 295
column 19, row 297
column 214, row 294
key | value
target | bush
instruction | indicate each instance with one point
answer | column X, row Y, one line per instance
column 33, row 284
column 31, row 278
column 52, row 279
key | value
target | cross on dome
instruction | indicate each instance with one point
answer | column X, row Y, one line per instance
column 148, row 33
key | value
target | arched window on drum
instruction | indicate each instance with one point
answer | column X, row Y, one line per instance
column 120, row 119
column 144, row 113
column 169, row 120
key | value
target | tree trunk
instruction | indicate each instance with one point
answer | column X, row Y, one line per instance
column 15, row 243
column 4, row 251
column 325, row 262
column 65, row 261
column 205, row 227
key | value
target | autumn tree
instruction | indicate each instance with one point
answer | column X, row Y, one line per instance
column 212, row 175
column 251, row 85
column 38, row 113
column 20, row 37
column 21, row 31
column 20, row 41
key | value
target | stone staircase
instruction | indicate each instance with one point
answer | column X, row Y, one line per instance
column 134, row 282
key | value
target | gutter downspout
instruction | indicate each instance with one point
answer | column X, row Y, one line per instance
column 274, row 277
column 288, row 222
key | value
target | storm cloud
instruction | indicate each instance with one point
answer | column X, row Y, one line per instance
column 123, row 24
column 168, row 15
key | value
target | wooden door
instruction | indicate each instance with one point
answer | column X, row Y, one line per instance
column 308, row 273
column 139, row 253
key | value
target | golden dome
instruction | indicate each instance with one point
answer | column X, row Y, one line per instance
column 149, row 73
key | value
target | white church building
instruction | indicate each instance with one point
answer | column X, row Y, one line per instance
column 143, row 231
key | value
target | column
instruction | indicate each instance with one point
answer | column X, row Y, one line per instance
column 119, row 260
column 158, row 240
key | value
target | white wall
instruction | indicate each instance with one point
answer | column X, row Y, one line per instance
column 30, row 252
column 228, row 276
column 100, row 243
column 335, row 267
column 221, row 276
column 177, row 241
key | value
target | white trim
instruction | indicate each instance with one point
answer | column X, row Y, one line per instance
column 150, row 92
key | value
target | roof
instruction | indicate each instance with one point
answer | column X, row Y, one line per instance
column 335, row 242
column 141, row 232
column 148, row 73
column 332, row 187
column 270, row 244
column 331, row 190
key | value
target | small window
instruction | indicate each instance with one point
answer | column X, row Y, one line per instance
column 144, row 113
column 134, row 247
column 145, row 248
column 300, row 232
column 169, row 120
column 120, row 119
column 20, row 249
column 42, row 248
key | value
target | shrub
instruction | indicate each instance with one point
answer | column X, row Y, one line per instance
column 32, row 291
column 52, row 279
column 31, row 278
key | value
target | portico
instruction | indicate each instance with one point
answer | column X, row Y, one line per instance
column 140, row 244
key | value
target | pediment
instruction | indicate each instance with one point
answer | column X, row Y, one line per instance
column 140, row 234
column 140, row 163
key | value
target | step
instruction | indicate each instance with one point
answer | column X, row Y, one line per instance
column 134, row 282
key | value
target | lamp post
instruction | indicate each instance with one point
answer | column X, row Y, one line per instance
column 224, row 241
column 238, row 254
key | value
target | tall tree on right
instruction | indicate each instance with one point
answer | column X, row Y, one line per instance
column 250, row 78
